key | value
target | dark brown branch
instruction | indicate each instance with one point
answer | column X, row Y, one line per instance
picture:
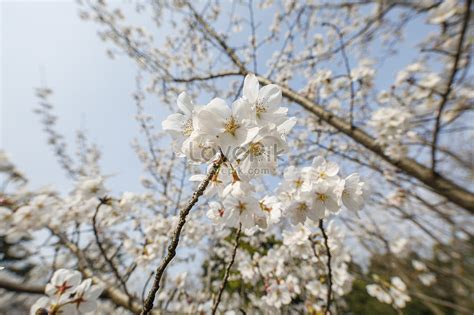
column 104, row 201
column 148, row 305
column 328, row 253
column 449, row 87
column 228, row 50
column 207, row 77
column 227, row 272
column 21, row 287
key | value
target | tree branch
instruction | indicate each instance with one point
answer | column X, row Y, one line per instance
column 348, row 70
column 21, row 287
column 148, row 305
column 103, row 201
column 445, row 95
column 227, row 272
column 328, row 253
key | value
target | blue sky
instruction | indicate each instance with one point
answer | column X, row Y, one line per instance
column 47, row 42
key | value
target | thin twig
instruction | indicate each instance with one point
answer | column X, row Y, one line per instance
column 104, row 201
column 17, row 287
column 445, row 96
column 148, row 305
column 227, row 272
column 348, row 69
column 328, row 252
column 254, row 38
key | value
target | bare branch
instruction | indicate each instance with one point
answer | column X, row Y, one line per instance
column 328, row 253
column 148, row 305
column 21, row 287
column 227, row 272
column 449, row 87
column 104, row 201
column 348, row 70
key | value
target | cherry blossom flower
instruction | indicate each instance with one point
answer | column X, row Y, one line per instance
column 353, row 193
column 64, row 282
column 216, row 212
column 398, row 292
column 200, row 148
column 278, row 294
column 390, row 293
column 42, row 304
column 427, row 278
column 265, row 102
column 271, row 211
column 241, row 209
column 85, row 297
column 67, row 295
column 261, row 153
column 300, row 209
column 181, row 125
column 321, row 171
column 376, row 291
column 92, row 187
column 324, row 198
column 228, row 126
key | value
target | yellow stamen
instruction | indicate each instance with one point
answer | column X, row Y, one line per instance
column 298, row 183
column 260, row 109
column 321, row 197
column 242, row 207
column 256, row 149
column 302, row 206
column 188, row 128
column 231, row 126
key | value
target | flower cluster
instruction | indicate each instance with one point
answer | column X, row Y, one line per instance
column 67, row 295
column 315, row 191
column 251, row 135
column 390, row 293
column 391, row 125
column 424, row 275
column 294, row 267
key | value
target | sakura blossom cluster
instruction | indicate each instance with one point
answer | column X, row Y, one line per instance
column 315, row 191
column 67, row 295
column 391, row 125
column 292, row 267
column 394, row 293
column 252, row 135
